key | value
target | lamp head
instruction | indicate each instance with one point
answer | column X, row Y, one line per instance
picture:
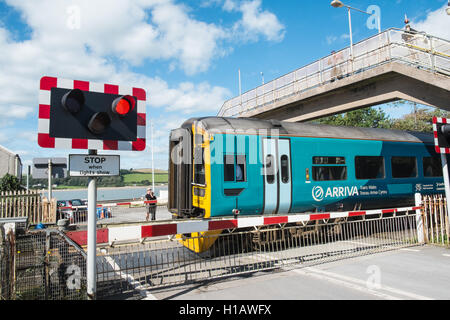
column 337, row 4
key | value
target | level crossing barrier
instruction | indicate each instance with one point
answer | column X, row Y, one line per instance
column 77, row 215
column 162, row 261
column 139, row 232
column 157, row 255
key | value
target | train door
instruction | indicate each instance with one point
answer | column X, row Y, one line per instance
column 180, row 173
column 284, row 175
column 277, row 175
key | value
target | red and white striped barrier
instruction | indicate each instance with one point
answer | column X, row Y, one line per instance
column 106, row 205
column 139, row 232
column 127, row 203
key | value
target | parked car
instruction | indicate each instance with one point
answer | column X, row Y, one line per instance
column 77, row 202
column 74, row 210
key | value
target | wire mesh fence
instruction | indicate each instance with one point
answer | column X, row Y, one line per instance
column 47, row 265
column 41, row 266
column 167, row 262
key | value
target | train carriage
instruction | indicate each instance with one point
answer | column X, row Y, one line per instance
column 223, row 166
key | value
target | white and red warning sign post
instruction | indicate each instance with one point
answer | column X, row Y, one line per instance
column 75, row 114
column 441, row 131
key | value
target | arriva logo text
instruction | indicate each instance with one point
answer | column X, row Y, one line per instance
column 318, row 193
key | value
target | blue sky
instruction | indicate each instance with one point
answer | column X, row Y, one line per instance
column 185, row 54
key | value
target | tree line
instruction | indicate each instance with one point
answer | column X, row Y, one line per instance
column 113, row 181
column 420, row 119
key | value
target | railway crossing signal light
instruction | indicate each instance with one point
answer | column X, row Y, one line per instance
column 73, row 100
column 445, row 130
column 85, row 115
column 123, row 105
column 441, row 129
column 92, row 115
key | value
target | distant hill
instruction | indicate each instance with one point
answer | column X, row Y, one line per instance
column 145, row 170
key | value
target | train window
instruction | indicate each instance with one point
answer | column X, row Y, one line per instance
column 199, row 166
column 284, row 168
column 270, row 169
column 228, row 167
column 240, row 168
column 432, row 167
column 198, row 139
column 369, row 168
column 329, row 173
column 328, row 160
column 234, row 168
column 404, row 167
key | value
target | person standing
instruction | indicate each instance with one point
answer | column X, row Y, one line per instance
column 151, row 207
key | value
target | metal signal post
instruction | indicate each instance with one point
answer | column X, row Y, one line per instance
column 441, row 130
column 91, row 267
column 75, row 114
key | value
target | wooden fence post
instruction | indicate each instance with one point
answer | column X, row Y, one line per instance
column 26, row 204
column 3, row 266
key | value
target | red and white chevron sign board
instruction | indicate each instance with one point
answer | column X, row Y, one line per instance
column 139, row 232
column 437, row 121
column 44, row 139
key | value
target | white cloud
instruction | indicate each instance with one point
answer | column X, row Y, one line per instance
column 193, row 42
column 229, row 5
column 101, row 44
column 437, row 23
column 331, row 39
column 85, row 53
column 130, row 30
column 255, row 21
column 187, row 97
column 16, row 111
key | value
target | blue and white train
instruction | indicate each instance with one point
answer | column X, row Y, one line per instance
column 262, row 167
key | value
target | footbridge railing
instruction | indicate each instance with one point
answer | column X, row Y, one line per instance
column 420, row 50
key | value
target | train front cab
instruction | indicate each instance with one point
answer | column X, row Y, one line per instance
column 190, row 182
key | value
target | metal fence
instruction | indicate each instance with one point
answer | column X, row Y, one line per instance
column 393, row 45
column 165, row 262
column 41, row 265
column 435, row 220
column 48, row 265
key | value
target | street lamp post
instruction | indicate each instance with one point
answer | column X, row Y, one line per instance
column 339, row 4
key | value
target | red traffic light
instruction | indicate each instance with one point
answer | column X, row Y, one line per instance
column 123, row 105
column 73, row 100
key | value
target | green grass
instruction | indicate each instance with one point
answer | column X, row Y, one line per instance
column 137, row 178
column 61, row 186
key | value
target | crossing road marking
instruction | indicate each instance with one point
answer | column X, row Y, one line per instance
column 408, row 249
column 136, row 284
column 360, row 285
column 308, row 272
column 446, row 255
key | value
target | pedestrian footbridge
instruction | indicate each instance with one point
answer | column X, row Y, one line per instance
column 389, row 66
